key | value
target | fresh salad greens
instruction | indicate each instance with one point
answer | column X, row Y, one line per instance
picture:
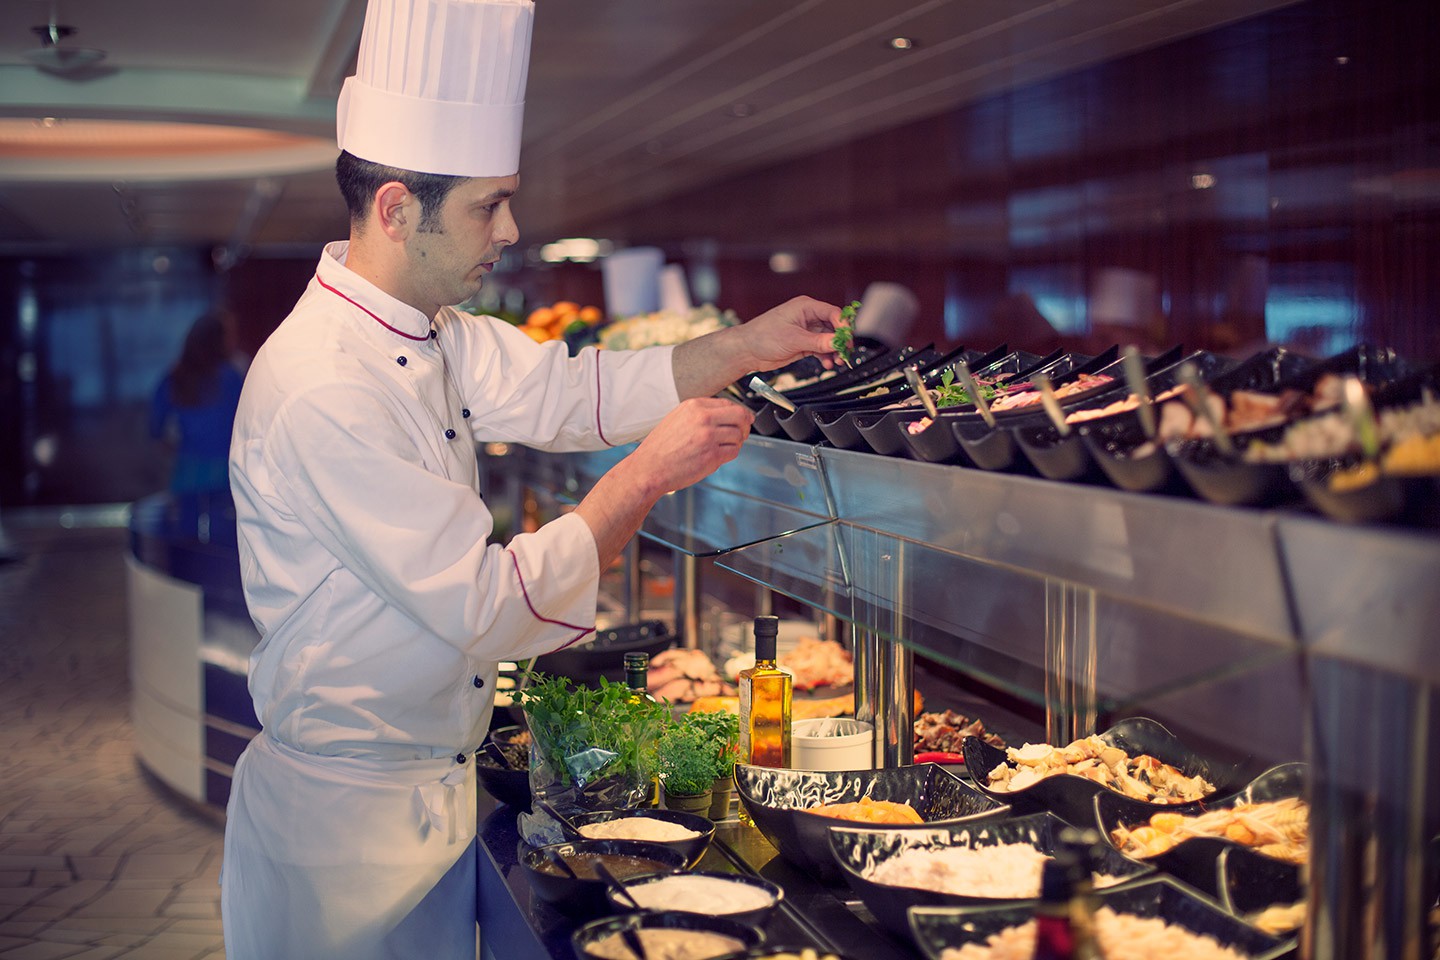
column 588, row 733
column 948, row 394
column 697, row 750
column 844, row 340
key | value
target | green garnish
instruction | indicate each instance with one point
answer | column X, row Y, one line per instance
column 844, row 340
column 588, row 734
column 949, row 395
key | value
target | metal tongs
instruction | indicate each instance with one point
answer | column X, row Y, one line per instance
column 1134, row 368
column 967, row 379
column 1051, row 405
column 1198, row 396
column 771, row 394
column 912, row 374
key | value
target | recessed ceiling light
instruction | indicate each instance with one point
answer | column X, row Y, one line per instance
column 1202, row 181
column 1342, row 60
column 741, row 109
column 902, row 43
column 48, row 122
column 783, row 262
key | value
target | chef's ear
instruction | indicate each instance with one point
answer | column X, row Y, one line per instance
column 396, row 208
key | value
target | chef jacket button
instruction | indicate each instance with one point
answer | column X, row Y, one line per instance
column 449, row 434
column 401, row 360
column 479, row 681
column 465, row 413
column 460, row 758
column 434, row 333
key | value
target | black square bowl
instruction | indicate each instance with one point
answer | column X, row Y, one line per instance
column 859, row 850
column 778, row 801
column 937, row 929
column 596, row 931
column 1195, row 860
column 1251, row 883
column 691, row 848
column 1072, row 798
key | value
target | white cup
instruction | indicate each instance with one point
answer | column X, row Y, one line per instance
column 832, row 744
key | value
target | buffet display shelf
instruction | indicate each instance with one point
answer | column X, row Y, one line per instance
column 811, row 914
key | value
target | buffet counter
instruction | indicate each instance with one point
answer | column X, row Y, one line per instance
column 811, row 914
column 1256, row 635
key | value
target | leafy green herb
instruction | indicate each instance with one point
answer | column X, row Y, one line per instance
column 950, row 395
column 844, row 339
column 687, row 762
column 723, row 729
column 586, row 733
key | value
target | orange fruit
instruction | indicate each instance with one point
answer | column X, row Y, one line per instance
column 538, row 334
column 591, row 315
column 541, row 317
column 566, row 306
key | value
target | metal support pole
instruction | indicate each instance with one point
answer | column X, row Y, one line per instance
column 764, row 601
column 634, row 582
column 687, row 599
column 895, row 724
column 1071, row 662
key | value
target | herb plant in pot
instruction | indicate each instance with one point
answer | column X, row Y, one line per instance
column 723, row 729
column 687, row 767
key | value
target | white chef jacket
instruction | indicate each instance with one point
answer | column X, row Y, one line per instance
column 381, row 607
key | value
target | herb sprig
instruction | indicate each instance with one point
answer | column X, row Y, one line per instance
column 950, row 395
column 844, row 339
column 588, row 733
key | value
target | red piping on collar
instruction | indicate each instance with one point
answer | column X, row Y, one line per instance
column 407, row 336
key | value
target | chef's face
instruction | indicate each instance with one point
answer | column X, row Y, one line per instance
column 451, row 254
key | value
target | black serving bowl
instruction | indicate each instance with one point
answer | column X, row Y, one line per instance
column 508, row 784
column 1379, row 500
column 858, row 850
column 758, row 916
column 604, row 655
column 1072, row 798
column 986, row 447
column 1127, row 457
column 581, row 896
column 692, row 848
column 786, row 952
column 1194, row 860
column 778, row 801
column 937, row 929
column 1250, row 883
column 1229, row 481
column 765, row 423
column 871, row 368
column 841, row 427
column 935, row 444
column 1053, row 456
column 599, row 930
column 884, row 431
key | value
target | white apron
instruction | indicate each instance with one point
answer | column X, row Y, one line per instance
column 375, row 859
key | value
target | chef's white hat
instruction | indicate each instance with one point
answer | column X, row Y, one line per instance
column 439, row 86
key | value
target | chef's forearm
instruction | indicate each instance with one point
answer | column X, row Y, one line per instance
column 704, row 366
column 615, row 507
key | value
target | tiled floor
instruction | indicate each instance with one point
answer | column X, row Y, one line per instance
column 97, row 861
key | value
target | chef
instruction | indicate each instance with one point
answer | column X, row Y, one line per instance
column 382, row 605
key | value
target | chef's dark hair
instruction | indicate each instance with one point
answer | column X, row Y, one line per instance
column 359, row 179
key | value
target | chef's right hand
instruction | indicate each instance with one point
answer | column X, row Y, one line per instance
column 692, row 442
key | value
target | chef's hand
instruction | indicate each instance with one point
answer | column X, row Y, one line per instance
column 687, row 446
column 692, row 442
column 802, row 327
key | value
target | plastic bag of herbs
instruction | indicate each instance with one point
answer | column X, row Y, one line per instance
column 591, row 748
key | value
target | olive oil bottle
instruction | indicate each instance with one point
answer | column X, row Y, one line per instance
column 765, row 695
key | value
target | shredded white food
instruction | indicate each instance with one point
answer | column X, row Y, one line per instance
column 710, row 895
column 1120, row 936
column 1006, row 870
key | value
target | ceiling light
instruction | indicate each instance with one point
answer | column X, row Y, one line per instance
column 1202, row 181
column 741, row 109
column 1342, row 60
column 784, row 263
column 576, row 249
column 902, row 43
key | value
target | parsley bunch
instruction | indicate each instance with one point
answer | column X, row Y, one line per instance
column 587, row 733
column 844, row 340
column 698, row 750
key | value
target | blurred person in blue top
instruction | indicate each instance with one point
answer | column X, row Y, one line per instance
column 194, row 408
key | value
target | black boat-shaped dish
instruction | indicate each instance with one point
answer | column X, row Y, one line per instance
column 778, row 801
column 937, row 929
column 1348, row 490
column 1072, row 798
column 859, row 850
column 1229, row 480
column 890, row 386
column 1251, row 884
column 1194, row 859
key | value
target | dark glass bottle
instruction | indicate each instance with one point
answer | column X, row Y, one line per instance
column 637, row 670
column 1054, row 936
